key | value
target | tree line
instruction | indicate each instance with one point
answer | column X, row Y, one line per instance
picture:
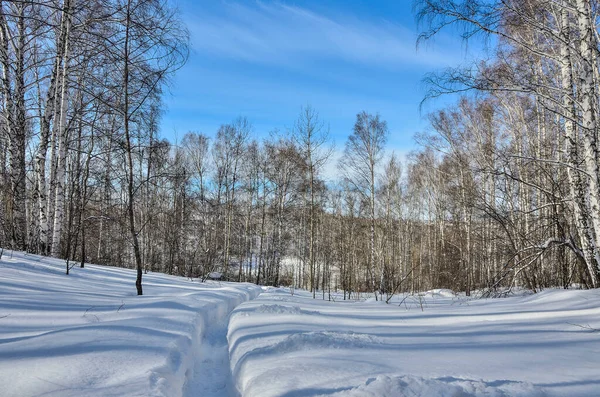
column 519, row 157
column 80, row 89
column 503, row 191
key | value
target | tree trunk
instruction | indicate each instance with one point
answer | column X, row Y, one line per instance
column 576, row 188
column 129, row 150
column 587, row 95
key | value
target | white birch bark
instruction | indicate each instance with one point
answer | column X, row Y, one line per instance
column 586, row 91
column 62, row 150
column 577, row 189
column 17, row 133
column 7, row 99
column 40, row 188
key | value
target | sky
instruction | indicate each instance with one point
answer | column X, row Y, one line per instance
column 266, row 59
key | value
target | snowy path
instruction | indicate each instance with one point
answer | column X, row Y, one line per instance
column 88, row 334
column 212, row 375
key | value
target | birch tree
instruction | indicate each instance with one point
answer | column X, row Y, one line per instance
column 312, row 136
column 360, row 165
column 559, row 39
column 13, row 53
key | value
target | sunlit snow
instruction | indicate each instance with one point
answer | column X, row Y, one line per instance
column 88, row 334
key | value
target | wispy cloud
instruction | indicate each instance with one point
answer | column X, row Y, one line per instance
column 276, row 33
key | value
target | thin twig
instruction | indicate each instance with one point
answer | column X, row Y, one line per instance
column 586, row 327
column 88, row 309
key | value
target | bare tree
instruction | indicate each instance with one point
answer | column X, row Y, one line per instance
column 359, row 165
column 153, row 45
column 312, row 137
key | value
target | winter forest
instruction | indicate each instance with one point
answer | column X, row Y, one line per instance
column 277, row 198
column 503, row 191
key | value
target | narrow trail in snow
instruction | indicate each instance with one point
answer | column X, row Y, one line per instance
column 212, row 374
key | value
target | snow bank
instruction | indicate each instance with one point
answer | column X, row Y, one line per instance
column 278, row 309
column 440, row 292
column 411, row 386
column 89, row 334
column 303, row 341
column 518, row 346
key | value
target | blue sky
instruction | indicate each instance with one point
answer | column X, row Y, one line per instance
column 266, row 59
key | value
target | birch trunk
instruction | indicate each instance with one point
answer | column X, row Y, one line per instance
column 17, row 141
column 311, row 241
column 586, row 91
column 372, row 265
column 40, row 188
column 576, row 188
column 63, row 134
column 14, row 125
column 7, row 109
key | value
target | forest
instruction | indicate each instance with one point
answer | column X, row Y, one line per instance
column 503, row 191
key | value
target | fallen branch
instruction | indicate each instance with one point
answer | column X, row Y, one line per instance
column 407, row 275
column 85, row 314
column 87, row 310
column 586, row 327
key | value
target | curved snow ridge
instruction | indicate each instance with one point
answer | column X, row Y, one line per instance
column 274, row 309
column 410, row 386
column 326, row 339
column 169, row 379
column 278, row 309
column 281, row 309
column 213, row 307
column 313, row 341
column 242, row 358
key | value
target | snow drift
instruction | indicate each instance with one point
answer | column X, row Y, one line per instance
column 434, row 344
column 88, row 334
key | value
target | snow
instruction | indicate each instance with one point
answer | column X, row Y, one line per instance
column 89, row 334
column 409, row 386
column 434, row 344
column 215, row 275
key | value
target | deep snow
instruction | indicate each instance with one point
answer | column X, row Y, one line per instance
column 433, row 345
column 87, row 334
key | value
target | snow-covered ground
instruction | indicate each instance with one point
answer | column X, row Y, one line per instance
column 434, row 345
column 88, row 334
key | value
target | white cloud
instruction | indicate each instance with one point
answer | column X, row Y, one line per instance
column 284, row 34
